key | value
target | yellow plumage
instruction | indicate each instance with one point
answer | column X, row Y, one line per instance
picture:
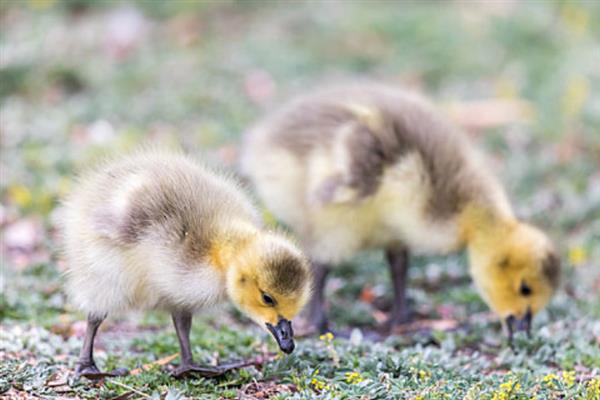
column 368, row 167
column 156, row 230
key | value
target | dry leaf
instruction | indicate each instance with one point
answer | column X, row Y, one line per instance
column 161, row 362
column 379, row 316
column 24, row 234
column 428, row 324
column 492, row 113
column 264, row 390
column 367, row 295
column 259, row 86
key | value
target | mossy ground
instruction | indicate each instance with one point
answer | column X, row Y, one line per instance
column 79, row 79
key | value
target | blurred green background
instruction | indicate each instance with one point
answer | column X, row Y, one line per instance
column 80, row 79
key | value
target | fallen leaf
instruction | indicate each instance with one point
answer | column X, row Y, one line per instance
column 427, row 324
column 160, row 362
column 259, row 86
column 379, row 316
column 491, row 113
column 228, row 154
column 446, row 311
column 78, row 329
column 124, row 396
column 124, row 29
column 185, row 29
column 57, row 381
column 367, row 295
column 24, row 234
column 264, row 390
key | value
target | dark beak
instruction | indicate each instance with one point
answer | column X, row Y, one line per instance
column 283, row 334
column 518, row 325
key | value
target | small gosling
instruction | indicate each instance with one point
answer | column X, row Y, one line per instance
column 158, row 231
column 367, row 166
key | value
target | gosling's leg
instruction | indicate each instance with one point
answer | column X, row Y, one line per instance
column 183, row 323
column 313, row 317
column 398, row 263
column 86, row 366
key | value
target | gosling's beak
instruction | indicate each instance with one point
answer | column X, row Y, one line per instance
column 520, row 325
column 284, row 334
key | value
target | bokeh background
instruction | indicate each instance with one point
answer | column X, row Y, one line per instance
column 80, row 79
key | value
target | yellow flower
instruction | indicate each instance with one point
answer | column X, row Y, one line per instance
column 550, row 379
column 506, row 389
column 354, row 377
column 20, row 195
column 577, row 255
column 575, row 18
column 510, row 386
column 593, row 388
column 500, row 396
column 268, row 218
column 568, row 378
column 424, row 375
column 318, row 385
column 41, row 4
column 506, row 88
column 326, row 337
column 575, row 95
column 419, row 397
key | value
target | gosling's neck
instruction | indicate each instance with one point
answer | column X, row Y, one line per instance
column 233, row 239
column 483, row 226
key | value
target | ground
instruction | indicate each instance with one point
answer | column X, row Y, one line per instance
column 80, row 79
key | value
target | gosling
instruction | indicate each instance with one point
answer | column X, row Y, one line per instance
column 370, row 167
column 159, row 231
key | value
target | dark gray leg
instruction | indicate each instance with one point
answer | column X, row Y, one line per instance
column 183, row 323
column 398, row 262
column 86, row 366
column 314, row 315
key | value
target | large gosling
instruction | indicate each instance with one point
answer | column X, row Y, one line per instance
column 159, row 231
column 367, row 166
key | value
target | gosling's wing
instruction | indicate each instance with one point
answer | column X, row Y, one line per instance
column 358, row 163
column 119, row 217
column 359, row 149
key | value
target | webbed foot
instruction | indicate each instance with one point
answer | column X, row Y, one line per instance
column 91, row 371
column 193, row 369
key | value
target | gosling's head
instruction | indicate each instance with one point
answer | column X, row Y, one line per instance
column 516, row 273
column 269, row 281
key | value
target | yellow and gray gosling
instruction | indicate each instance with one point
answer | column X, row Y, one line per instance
column 366, row 167
column 158, row 231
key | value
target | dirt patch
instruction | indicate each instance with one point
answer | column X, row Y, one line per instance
column 264, row 390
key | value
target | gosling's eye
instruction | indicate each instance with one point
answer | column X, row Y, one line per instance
column 268, row 300
column 525, row 289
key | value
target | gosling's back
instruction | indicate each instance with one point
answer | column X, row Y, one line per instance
column 136, row 233
column 363, row 166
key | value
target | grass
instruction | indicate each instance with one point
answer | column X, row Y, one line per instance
column 75, row 84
